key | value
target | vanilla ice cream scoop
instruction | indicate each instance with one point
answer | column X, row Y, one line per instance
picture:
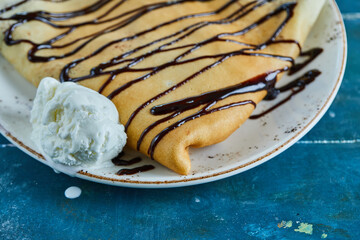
column 74, row 125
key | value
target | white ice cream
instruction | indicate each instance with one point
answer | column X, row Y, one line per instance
column 74, row 125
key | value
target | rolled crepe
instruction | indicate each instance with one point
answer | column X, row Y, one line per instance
column 181, row 73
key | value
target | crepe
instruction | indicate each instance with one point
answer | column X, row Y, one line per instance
column 181, row 73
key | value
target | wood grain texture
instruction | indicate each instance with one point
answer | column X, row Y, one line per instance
column 318, row 184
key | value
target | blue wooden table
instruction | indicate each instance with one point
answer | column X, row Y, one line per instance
column 311, row 191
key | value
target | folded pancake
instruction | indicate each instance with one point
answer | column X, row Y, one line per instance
column 182, row 74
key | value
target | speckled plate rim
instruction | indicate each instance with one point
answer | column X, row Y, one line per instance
column 215, row 176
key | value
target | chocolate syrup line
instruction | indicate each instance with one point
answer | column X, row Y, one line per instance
column 311, row 54
column 47, row 17
column 11, row 7
column 118, row 161
column 152, row 126
column 132, row 171
column 296, row 86
column 121, row 162
column 43, row 15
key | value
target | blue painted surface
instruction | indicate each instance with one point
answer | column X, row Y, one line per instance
column 309, row 183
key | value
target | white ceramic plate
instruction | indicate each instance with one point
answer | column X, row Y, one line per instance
column 254, row 143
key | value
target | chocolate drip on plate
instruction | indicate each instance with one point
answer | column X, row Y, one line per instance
column 118, row 161
column 132, row 171
column 296, row 86
column 311, row 54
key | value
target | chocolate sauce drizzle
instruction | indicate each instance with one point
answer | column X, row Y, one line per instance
column 136, row 170
column 296, row 86
column 127, row 63
column 118, row 161
column 11, row 7
column 311, row 54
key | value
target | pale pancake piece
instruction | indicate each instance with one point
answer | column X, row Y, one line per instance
column 144, row 54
